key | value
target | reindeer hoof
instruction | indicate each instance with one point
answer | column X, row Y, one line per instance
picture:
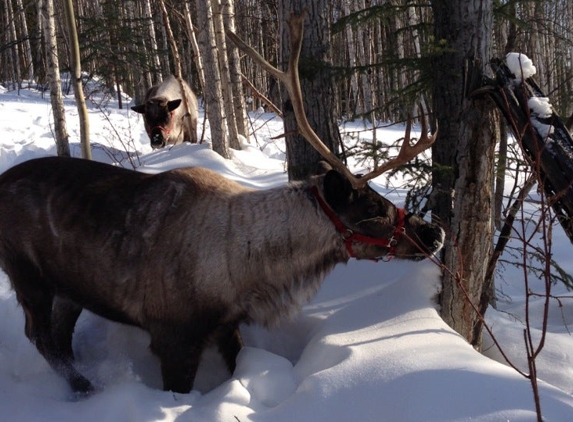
column 81, row 386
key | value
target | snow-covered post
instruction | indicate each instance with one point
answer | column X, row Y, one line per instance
column 540, row 132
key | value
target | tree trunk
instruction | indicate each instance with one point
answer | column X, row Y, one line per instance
column 53, row 76
column 350, row 108
column 363, row 51
column 213, row 107
column 76, row 75
column 234, row 58
column 27, row 63
column 195, row 46
column 316, row 84
column 178, row 72
column 226, row 88
column 154, row 48
column 13, row 38
column 464, row 157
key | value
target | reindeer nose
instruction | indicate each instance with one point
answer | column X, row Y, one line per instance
column 157, row 141
column 432, row 237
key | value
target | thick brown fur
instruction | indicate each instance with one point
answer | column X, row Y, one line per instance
column 164, row 108
column 187, row 254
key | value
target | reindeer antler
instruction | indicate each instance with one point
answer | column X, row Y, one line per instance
column 291, row 81
column 407, row 151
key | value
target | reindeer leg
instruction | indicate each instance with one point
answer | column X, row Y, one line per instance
column 230, row 343
column 179, row 350
column 37, row 299
column 65, row 313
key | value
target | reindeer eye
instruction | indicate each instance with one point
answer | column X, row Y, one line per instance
column 373, row 210
column 376, row 210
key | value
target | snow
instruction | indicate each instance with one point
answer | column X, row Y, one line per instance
column 520, row 65
column 541, row 108
column 369, row 347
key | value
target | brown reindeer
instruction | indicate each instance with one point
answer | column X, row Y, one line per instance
column 187, row 255
column 165, row 115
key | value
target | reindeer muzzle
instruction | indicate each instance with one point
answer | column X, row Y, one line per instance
column 157, row 141
column 430, row 238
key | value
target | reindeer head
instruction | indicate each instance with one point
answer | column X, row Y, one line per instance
column 158, row 118
column 371, row 225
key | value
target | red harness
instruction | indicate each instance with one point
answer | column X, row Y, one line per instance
column 162, row 129
column 350, row 237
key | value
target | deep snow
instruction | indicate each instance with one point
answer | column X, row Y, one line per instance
column 369, row 347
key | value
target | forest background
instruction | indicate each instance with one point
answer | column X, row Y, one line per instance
column 380, row 49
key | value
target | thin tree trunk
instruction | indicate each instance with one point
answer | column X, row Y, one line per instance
column 76, row 75
column 53, row 76
column 154, row 48
column 177, row 65
column 40, row 50
column 170, row 38
column 164, row 59
column 363, row 52
column 28, row 63
column 226, row 88
column 214, row 109
column 350, row 108
column 413, row 21
column 11, row 27
column 235, row 72
column 380, row 78
column 195, row 46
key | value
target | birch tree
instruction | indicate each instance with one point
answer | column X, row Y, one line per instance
column 226, row 87
column 238, row 99
column 214, row 110
column 76, row 75
column 46, row 8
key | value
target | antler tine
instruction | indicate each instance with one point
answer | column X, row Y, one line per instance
column 291, row 81
column 407, row 151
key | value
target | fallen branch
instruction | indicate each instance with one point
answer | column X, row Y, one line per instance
column 550, row 154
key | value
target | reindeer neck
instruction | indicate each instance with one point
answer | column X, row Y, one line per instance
column 290, row 248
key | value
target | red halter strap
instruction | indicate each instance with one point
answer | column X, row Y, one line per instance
column 161, row 128
column 350, row 237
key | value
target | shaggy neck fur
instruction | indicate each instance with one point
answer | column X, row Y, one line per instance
column 286, row 248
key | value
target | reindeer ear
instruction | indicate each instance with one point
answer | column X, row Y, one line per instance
column 337, row 188
column 173, row 104
column 139, row 108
